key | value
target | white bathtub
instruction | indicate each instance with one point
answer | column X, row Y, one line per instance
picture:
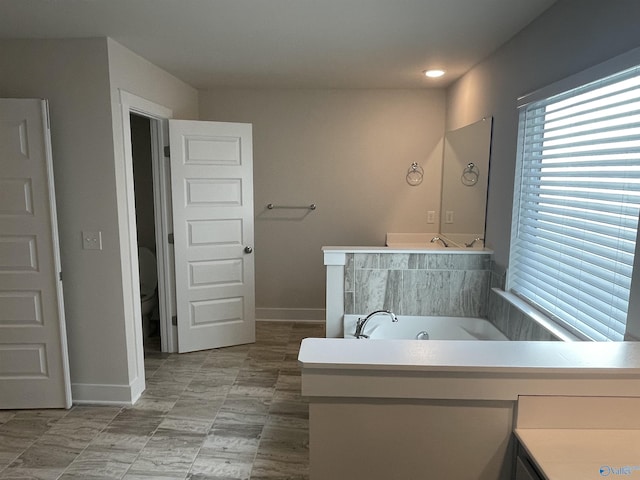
column 413, row 328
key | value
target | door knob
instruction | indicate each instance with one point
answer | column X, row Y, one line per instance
column 248, row 249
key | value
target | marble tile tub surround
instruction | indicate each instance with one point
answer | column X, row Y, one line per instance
column 508, row 318
column 229, row 413
column 417, row 283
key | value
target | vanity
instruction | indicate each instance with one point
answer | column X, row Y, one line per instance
column 566, row 438
column 448, row 409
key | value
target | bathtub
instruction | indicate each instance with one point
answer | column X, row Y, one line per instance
column 414, row 328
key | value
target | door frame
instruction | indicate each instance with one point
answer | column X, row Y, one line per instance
column 57, row 259
column 159, row 116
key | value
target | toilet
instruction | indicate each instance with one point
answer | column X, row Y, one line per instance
column 148, row 284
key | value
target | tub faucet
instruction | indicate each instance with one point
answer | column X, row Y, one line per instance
column 438, row 239
column 361, row 322
column 472, row 242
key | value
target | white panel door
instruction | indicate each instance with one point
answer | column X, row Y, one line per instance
column 212, row 191
column 34, row 369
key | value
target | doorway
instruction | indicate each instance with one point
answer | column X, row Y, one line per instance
column 142, row 155
column 211, row 173
column 150, row 131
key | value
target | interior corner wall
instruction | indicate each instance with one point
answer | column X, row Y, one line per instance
column 571, row 36
column 133, row 74
column 81, row 79
column 137, row 75
column 73, row 76
column 348, row 151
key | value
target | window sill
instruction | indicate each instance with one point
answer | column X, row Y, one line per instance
column 538, row 317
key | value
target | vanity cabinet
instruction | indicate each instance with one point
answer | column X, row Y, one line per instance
column 525, row 469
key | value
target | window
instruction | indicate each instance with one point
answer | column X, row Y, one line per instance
column 577, row 199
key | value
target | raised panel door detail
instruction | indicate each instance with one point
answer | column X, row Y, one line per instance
column 18, row 254
column 215, row 273
column 20, row 308
column 34, row 370
column 212, row 150
column 211, row 180
column 224, row 310
column 213, row 192
column 226, row 232
column 23, row 361
column 16, row 196
column 14, row 140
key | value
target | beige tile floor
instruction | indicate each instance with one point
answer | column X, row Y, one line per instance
column 229, row 413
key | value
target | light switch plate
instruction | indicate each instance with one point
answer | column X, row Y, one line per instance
column 91, row 240
column 448, row 216
column 431, row 216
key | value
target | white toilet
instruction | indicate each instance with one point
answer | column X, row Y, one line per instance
column 148, row 284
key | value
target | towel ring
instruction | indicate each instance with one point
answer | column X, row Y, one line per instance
column 415, row 174
column 470, row 175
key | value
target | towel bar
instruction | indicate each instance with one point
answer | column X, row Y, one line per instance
column 271, row 206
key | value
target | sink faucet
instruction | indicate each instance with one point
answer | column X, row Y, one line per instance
column 472, row 242
column 362, row 322
column 438, row 239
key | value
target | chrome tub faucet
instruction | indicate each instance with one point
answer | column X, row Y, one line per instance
column 361, row 322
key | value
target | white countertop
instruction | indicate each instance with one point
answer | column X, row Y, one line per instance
column 571, row 438
column 486, row 356
column 466, row 370
column 571, row 454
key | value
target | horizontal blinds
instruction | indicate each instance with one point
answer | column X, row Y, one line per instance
column 577, row 204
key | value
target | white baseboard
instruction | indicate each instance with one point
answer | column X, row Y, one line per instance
column 137, row 387
column 100, row 394
column 291, row 314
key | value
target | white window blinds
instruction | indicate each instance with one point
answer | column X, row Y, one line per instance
column 577, row 199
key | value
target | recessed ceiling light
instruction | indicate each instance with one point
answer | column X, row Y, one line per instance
column 434, row 73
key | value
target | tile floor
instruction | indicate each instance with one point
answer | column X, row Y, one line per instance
column 229, row 413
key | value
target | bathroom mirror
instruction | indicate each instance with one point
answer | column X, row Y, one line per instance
column 465, row 178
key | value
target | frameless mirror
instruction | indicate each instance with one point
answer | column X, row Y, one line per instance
column 465, row 178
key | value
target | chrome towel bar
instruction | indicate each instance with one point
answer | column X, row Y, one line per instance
column 271, row 206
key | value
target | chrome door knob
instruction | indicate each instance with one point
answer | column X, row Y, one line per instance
column 248, row 249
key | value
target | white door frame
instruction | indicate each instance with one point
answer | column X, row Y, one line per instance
column 56, row 255
column 159, row 116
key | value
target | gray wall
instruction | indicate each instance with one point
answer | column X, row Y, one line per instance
column 571, row 36
column 73, row 75
column 346, row 150
column 568, row 38
column 81, row 79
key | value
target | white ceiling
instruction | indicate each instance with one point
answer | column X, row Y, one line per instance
column 287, row 43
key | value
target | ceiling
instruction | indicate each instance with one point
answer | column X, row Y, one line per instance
column 287, row 43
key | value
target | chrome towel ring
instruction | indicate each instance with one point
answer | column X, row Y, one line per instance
column 415, row 174
column 470, row 175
